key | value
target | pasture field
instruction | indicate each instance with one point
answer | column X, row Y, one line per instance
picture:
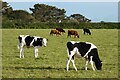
column 51, row 61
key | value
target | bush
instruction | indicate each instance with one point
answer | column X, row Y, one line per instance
column 49, row 25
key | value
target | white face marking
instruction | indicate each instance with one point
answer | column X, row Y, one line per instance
column 45, row 42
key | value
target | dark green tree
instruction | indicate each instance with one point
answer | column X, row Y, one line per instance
column 21, row 15
column 6, row 9
column 79, row 18
column 46, row 13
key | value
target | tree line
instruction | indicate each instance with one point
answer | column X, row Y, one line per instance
column 46, row 16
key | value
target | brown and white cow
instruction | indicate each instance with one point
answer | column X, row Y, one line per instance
column 55, row 32
column 73, row 32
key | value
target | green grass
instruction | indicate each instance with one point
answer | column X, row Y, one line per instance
column 51, row 62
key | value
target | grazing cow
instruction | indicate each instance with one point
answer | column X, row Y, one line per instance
column 54, row 31
column 83, row 49
column 87, row 31
column 29, row 41
column 73, row 32
column 60, row 30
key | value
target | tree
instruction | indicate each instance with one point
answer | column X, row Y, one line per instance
column 6, row 9
column 46, row 13
column 21, row 15
column 79, row 18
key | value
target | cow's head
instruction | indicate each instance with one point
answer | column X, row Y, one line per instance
column 63, row 31
column 99, row 65
column 44, row 42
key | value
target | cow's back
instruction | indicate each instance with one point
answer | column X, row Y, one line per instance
column 28, row 40
column 70, row 32
column 60, row 29
column 38, row 42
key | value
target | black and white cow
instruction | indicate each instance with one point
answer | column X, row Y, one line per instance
column 83, row 49
column 29, row 41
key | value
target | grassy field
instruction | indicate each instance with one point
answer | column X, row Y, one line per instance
column 51, row 62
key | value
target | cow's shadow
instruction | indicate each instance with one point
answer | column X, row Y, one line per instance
column 49, row 68
column 41, row 68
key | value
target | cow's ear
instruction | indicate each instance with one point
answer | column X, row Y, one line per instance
column 47, row 39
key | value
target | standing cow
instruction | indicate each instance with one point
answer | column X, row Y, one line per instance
column 29, row 41
column 73, row 32
column 83, row 49
column 55, row 32
column 87, row 31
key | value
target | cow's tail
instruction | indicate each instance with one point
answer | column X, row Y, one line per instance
column 20, row 40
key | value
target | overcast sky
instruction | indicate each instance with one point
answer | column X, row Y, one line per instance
column 96, row 11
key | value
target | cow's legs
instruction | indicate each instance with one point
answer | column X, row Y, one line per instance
column 72, row 60
column 68, row 62
column 68, row 35
column 84, row 32
column 21, row 52
column 91, row 62
column 86, row 63
column 36, row 52
column 70, row 57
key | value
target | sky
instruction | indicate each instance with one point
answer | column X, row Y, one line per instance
column 96, row 11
